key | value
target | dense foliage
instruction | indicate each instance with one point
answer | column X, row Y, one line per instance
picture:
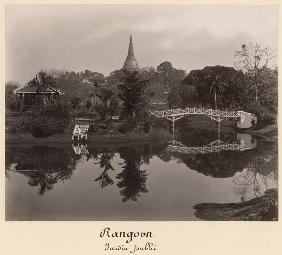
column 11, row 102
column 163, row 83
column 50, row 119
column 253, row 60
column 258, row 64
column 251, row 87
column 132, row 88
column 214, row 86
column 226, row 88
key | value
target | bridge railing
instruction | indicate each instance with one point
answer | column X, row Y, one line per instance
column 195, row 111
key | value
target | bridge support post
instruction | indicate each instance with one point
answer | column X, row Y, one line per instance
column 218, row 131
column 173, row 120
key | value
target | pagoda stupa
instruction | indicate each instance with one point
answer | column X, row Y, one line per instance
column 130, row 64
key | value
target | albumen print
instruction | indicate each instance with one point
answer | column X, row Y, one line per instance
column 141, row 113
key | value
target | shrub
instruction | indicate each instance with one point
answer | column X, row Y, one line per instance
column 93, row 128
column 13, row 104
column 159, row 132
column 265, row 116
column 86, row 114
column 158, row 122
column 18, row 124
column 269, row 118
column 43, row 126
column 57, row 110
column 75, row 102
column 51, row 119
column 126, row 127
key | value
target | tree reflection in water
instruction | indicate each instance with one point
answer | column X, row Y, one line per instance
column 258, row 177
column 132, row 179
column 257, row 183
column 225, row 163
column 253, row 170
column 43, row 166
column 105, row 162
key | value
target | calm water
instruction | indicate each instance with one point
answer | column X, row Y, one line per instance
column 156, row 181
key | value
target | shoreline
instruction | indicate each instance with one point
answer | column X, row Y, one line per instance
column 92, row 140
column 268, row 132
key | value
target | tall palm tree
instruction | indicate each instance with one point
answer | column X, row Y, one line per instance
column 216, row 89
column 106, row 97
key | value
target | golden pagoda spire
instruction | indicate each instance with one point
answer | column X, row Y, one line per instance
column 130, row 63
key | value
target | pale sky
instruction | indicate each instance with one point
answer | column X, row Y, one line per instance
column 95, row 37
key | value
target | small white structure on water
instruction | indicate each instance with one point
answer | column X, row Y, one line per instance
column 80, row 132
column 246, row 120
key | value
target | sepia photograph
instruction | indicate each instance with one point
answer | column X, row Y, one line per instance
column 141, row 112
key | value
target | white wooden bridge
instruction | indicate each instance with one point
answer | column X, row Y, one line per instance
column 217, row 115
column 244, row 119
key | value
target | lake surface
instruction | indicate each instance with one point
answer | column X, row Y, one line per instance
column 148, row 181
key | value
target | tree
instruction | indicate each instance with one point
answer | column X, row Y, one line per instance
column 171, row 79
column 132, row 94
column 155, row 91
column 58, row 77
column 76, row 84
column 75, row 101
column 106, row 108
column 174, row 98
column 268, row 89
column 163, row 84
column 43, row 81
column 92, row 77
column 252, row 59
column 214, row 85
column 11, row 101
column 51, row 118
column 114, row 79
column 10, row 86
column 216, row 88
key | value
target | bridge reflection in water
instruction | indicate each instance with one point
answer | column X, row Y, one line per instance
column 244, row 142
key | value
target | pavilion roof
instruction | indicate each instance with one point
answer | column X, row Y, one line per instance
column 35, row 89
